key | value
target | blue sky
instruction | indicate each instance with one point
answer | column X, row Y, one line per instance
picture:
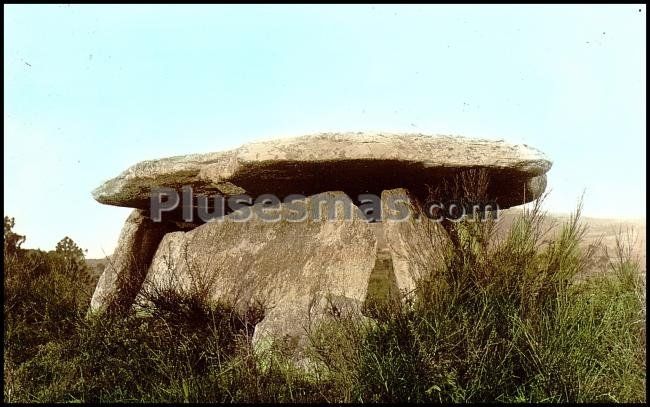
column 91, row 90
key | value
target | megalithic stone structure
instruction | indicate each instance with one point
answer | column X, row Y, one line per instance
column 300, row 268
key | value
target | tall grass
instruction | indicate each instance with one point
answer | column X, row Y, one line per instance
column 492, row 320
column 503, row 321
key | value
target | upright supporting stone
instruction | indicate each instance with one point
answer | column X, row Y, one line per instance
column 410, row 237
column 126, row 270
column 298, row 269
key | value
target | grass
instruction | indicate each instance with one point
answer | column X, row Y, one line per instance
column 495, row 319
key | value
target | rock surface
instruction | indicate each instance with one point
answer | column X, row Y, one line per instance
column 351, row 162
column 123, row 274
column 301, row 269
column 409, row 242
column 294, row 268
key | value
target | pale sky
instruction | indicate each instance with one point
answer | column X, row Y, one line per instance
column 90, row 90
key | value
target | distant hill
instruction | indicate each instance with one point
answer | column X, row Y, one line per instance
column 96, row 267
column 606, row 230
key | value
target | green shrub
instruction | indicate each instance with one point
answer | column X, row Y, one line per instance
column 493, row 320
column 503, row 321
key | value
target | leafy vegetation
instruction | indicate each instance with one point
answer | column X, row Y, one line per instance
column 493, row 320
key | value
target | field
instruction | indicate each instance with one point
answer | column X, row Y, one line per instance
column 523, row 316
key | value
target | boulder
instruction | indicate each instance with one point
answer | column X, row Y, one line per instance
column 123, row 275
column 300, row 271
column 409, row 240
column 354, row 163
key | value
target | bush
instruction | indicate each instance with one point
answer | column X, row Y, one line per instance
column 492, row 320
column 504, row 321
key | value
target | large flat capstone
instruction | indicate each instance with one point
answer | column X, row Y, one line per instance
column 354, row 163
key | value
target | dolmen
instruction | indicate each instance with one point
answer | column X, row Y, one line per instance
column 299, row 224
